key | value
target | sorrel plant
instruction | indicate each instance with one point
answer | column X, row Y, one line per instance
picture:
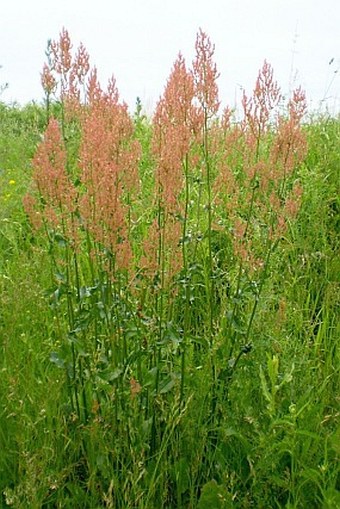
column 157, row 279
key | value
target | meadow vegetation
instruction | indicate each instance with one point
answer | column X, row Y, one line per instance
column 169, row 295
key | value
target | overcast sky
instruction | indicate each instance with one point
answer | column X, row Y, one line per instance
column 138, row 41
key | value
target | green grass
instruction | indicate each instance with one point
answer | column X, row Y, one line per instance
column 264, row 433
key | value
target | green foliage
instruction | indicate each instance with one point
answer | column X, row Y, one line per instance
column 213, row 495
column 93, row 410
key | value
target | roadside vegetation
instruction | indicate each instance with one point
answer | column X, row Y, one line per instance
column 169, row 295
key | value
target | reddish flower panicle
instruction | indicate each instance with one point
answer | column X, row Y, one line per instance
column 50, row 173
column 56, row 200
column 109, row 161
column 48, row 81
column 81, row 64
column 174, row 126
column 205, row 75
column 258, row 108
column 61, row 53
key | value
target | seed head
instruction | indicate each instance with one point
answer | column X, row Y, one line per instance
column 205, row 75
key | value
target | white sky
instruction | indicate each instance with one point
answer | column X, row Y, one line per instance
column 138, row 41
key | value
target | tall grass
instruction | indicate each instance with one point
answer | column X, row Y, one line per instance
column 169, row 296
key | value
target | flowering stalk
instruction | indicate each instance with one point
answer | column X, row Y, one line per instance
column 109, row 157
column 273, row 146
column 205, row 76
column 90, row 207
column 48, row 81
column 64, row 76
column 54, row 210
column 175, row 124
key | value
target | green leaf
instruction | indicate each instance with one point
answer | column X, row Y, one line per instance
column 58, row 361
column 61, row 241
column 166, row 385
column 214, row 496
column 264, row 386
column 113, row 375
column 335, row 441
column 60, row 277
column 181, row 469
column 331, row 499
column 273, row 369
